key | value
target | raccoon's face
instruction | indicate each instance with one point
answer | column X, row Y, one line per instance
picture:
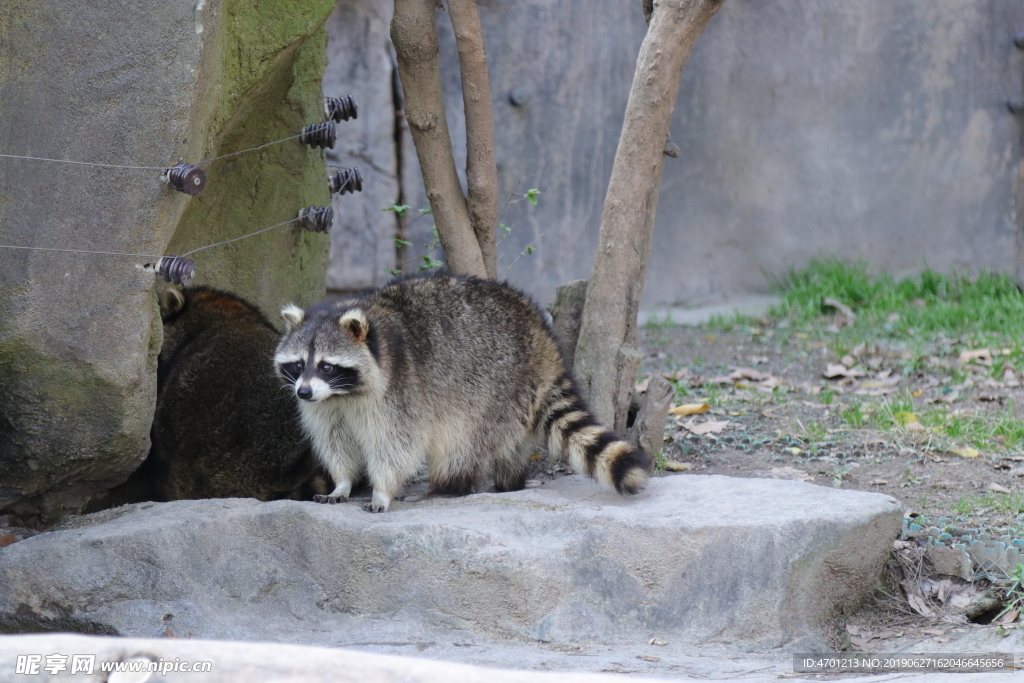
column 324, row 353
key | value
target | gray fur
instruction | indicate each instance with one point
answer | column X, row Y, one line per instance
column 461, row 373
column 223, row 426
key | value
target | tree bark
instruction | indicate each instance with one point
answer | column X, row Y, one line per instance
column 414, row 34
column 567, row 315
column 481, row 168
column 648, row 431
column 607, row 348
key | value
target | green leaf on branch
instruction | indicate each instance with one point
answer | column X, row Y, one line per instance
column 400, row 209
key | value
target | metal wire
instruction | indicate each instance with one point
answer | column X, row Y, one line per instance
column 149, row 256
column 86, row 163
column 149, row 168
column 210, row 246
column 80, row 251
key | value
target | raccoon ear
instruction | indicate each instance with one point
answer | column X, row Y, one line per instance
column 293, row 316
column 171, row 301
column 354, row 322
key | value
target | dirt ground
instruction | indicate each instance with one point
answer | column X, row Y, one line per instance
column 774, row 414
column 791, row 424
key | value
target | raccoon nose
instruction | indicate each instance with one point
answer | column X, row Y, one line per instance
column 305, row 393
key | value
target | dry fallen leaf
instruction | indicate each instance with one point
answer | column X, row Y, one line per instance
column 641, row 387
column 844, row 310
column 877, row 482
column 656, row 641
column 996, row 488
column 793, row 449
column 860, row 643
column 1008, row 618
column 679, row 374
column 965, row 452
column 790, row 473
column 709, row 427
column 673, row 466
column 839, row 371
column 689, row 409
column 6, row 540
column 917, row 393
column 919, row 605
column 649, row 658
column 947, row 397
column 748, row 373
column 979, row 356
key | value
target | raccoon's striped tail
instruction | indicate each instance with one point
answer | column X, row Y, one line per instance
column 572, row 432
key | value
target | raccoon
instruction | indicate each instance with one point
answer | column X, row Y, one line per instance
column 223, row 427
column 458, row 372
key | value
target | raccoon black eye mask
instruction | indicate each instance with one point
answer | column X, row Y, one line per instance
column 456, row 371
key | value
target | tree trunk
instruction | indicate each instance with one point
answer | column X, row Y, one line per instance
column 607, row 355
column 648, row 431
column 481, row 169
column 414, row 34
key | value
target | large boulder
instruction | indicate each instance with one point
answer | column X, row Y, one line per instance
column 694, row 559
column 137, row 86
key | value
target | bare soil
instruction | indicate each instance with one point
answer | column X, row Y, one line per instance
column 798, row 430
column 785, row 419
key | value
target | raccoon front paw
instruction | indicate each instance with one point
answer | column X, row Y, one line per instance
column 329, row 500
column 370, row 507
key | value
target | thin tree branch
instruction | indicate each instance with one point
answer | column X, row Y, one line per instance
column 414, row 35
column 481, row 169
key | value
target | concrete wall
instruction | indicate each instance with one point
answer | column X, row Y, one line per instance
column 869, row 129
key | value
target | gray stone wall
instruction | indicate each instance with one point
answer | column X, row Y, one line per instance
column 872, row 130
column 137, row 86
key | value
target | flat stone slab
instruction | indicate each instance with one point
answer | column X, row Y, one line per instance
column 752, row 564
column 234, row 662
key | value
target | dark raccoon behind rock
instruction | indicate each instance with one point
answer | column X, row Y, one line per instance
column 461, row 373
column 223, row 427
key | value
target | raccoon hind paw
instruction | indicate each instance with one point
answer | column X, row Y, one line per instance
column 370, row 507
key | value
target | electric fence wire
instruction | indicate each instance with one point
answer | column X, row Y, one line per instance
column 347, row 182
column 154, row 168
column 157, row 256
column 150, row 168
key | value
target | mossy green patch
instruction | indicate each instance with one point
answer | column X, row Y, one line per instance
column 63, row 411
column 272, row 61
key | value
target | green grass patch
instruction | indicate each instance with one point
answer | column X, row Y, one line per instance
column 1001, row 503
column 929, row 302
column 987, row 433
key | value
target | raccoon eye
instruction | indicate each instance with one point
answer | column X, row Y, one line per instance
column 292, row 370
column 299, row 365
column 326, row 368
